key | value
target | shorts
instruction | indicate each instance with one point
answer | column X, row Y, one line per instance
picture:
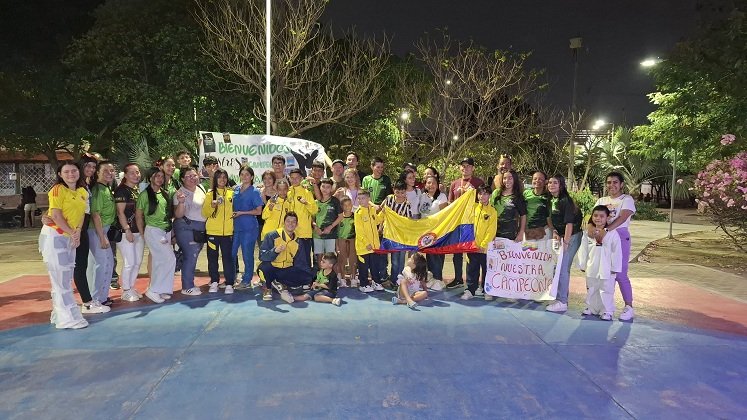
column 322, row 292
column 29, row 207
column 324, row 245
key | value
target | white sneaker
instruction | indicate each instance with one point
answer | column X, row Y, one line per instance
column 366, row 289
column 606, row 317
column 337, row 301
column 467, row 295
column 489, row 297
column 377, row 287
column 586, row 311
column 627, row 314
column 479, row 292
column 153, row 296
column 93, row 307
column 130, row 295
column 192, row 292
column 213, row 288
column 229, row 290
column 438, row 285
column 557, row 306
column 165, row 296
column 286, row 296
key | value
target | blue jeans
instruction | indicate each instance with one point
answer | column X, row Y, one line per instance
column 99, row 273
column 564, row 279
column 246, row 240
column 435, row 264
column 398, row 264
column 191, row 249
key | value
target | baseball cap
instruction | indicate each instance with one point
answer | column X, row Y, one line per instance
column 468, row 161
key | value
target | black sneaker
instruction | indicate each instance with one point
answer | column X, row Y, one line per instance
column 454, row 284
column 114, row 285
column 278, row 286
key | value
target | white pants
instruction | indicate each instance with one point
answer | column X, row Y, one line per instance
column 162, row 275
column 59, row 256
column 100, row 265
column 600, row 295
column 132, row 254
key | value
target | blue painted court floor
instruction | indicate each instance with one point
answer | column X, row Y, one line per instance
column 234, row 356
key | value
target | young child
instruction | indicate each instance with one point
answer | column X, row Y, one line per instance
column 367, row 221
column 346, row 244
column 399, row 204
column 412, row 282
column 324, row 287
column 326, row 220
column 601, row 262
column 486, row 225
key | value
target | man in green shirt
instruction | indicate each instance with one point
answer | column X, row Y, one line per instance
column 377, row 184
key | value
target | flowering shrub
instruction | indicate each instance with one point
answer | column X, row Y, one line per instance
column 722, row 186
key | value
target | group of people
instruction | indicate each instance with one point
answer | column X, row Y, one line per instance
column 315, row 234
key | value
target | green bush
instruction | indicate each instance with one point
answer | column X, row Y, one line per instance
column 647, row 211
column 585, row 200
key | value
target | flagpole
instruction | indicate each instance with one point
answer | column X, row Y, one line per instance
column 268, row 92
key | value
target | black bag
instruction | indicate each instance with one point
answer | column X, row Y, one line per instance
column 179, row 256
column 199, row 236
column 114, row 234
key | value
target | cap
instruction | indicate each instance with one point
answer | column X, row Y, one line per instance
column 338, row 161
column 468, row 161
column 209, row 160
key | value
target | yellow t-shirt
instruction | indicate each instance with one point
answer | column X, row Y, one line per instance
column 71, row 203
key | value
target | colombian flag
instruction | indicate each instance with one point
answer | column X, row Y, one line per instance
column 450, row 231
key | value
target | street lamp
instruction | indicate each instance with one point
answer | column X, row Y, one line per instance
column 404, row 118
column 650, row 62
column 575, row 44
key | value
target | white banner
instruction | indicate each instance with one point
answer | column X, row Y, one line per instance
column 234, row 150
column 522, row 270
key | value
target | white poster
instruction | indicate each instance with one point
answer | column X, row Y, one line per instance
column 522, row 270
column 234, row 150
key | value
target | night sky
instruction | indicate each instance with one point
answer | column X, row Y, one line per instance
column 617, row 36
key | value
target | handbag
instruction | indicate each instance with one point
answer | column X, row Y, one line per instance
column 114, row 234
column 199, row 236
column 179, row 256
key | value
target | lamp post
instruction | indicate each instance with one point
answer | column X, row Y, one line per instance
column 575, row 44
column 404, row 117
column 268, row 55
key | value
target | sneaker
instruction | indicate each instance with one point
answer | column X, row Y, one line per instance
column 213, row 287
column 395, row 300
column 139, row 295
column 165, row 296
column 387, row 285
column 108, row 302
column 267, row 295
column 229, row 290
column 130, row 296
column 479, row 292
column 377, row 286
column 114, row 285
column 192, row 292
column 286, row 296
column 337, row 301
column 278, row 286
column 467, row 295
column 366, row 289
column 438, row 285
column 155, row 297
column 557, row 306
column 94, row 307
column 81, row 324
column 606, row 317
column 627, row 314
column 412, row 305
column 586, row 312
column 243, row 286
column 453, row 284
column 489, row 297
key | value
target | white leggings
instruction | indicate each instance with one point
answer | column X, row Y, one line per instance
column 162, row 275
column 59, row 257
column 132, row 254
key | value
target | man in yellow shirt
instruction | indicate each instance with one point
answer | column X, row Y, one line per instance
column 279, row 267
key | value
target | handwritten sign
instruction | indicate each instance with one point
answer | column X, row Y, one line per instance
column 522, row 270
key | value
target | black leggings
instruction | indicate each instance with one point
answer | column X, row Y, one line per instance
column 81, row 263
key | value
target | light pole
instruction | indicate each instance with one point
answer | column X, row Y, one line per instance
column 404, row 117
column 268, row 55
column 576, row 44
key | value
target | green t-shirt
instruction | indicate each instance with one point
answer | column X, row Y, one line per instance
column 158, row 218
column 378, row 188
column 562, row 212
column 328, row 212
column 102, row 202
column 538, row 209
column 509, row 209
column 346, row 228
